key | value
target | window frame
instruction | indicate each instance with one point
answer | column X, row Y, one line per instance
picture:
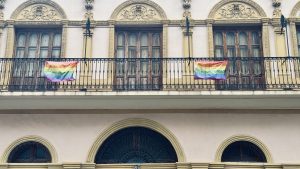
column 151, row 75
column 52, row 32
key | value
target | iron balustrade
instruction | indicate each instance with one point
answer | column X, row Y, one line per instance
column 113, row 74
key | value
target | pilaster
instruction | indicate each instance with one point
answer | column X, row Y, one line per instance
column 10, row 39
column 280, row 40
column 210, row 38
column 294, row 40
column 265, row 37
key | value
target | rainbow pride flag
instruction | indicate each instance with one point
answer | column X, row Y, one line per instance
column 60, row 71
column 210, row 70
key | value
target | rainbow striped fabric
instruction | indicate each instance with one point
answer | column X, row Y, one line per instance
column 210, row 70
column 60, row 71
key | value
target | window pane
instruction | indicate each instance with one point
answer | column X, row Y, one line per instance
column 132, row 40
column 121, row 39
column 219, row 52
column 21, row 40
column 156, row 39
column 243, row 51
column 57, row 40
column 144, row 52
column 230, row 39
column 144, row 39
column 33, row 39
column 31, row 52
column 243, row 40
column 218, row 39
column 131, row 68
column 55, row 53
column 132, row 53
column 243, row 151
column 231, row 52
column 120, row 53
column 257, row 68
column 245, row 67
column 20, row 53
column 30, row 152
column 44, row 53
column 144, row 68
column 255, row 38
column 298, row 36
column 256, row 52
column 45, row 40
column 156, row 53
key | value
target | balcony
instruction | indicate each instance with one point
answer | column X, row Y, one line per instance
column 110, row 83
column 167, row 74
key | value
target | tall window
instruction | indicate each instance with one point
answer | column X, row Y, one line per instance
column 38, row 43
column 138, row 63
column 136, row 145
column 34, row 45
column 243, row 48
column 30, row 152
column 298, row 38
column 243, row 151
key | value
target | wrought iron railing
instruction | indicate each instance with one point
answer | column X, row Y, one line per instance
column 111, row 74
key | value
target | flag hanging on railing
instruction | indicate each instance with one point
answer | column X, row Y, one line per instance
column 210, row 70
column 60, row 71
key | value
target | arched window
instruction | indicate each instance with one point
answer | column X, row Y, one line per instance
column 243, row 151
column 136, row 145
column 30, row 152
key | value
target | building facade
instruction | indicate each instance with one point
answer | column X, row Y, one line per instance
column 134, row 102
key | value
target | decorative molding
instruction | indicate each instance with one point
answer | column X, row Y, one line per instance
column 277, row 8
column 236, row 9
column 143, row 9
column 38, row 139
column 236, row 138
column 138, row 12
column 295, row 11
column 293, row 33
column 134, row 123
column 38, row 10
column 266, row 39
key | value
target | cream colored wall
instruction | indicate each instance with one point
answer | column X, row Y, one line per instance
column 3, row 42
column 74, row 43
column 200, row 42
column 100, row 43
column 200, row 135
column 175, row 44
